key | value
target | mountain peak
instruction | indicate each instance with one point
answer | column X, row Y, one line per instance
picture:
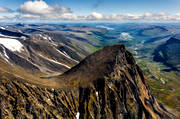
column 99, row 64
column 107, row 84
column 112, row 85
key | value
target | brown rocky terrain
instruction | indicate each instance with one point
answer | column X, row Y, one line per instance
column 107, row 84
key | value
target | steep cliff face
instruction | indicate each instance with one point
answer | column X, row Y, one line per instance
column 113, row 86
column 107, row 84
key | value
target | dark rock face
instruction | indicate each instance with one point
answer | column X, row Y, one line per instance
column 118, row 89
column 11, row 33
column 107, row 84
column 21, row 100
column 168, row 53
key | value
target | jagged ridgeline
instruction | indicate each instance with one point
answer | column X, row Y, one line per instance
column 105, row 85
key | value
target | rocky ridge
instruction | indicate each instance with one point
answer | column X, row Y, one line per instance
column 107, row 84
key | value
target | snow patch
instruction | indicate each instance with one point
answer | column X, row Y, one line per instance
column 55, row 61
column 19, row 31
column 2, row 35
column 23, row 37
column 163, row 82
column 44, row 37
column 50, row 39
column 4, row 57
column 5, row 54
column 59, row 63
column 63, row 53
column 77, row 115
column 11, row 44
column 2, row 28
column 96, row 93
column 66, row 55
column 52, row 94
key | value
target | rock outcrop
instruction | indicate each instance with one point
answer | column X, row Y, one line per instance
column 105, row 85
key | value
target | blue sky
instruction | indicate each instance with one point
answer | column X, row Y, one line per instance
column 108, row 6
column 123, row 6
column 90, row 9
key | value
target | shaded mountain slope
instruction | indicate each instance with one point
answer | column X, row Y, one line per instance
column 169, row 53
column 12, row 33
column 106, row 84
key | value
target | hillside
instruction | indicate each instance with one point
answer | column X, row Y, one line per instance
column 98, row 87
column 169, row 53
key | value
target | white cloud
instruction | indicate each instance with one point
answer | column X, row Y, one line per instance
column 28, row 16
column 69, row 16
column 35, row 7
column 39, row 10
column 147, row 14
column 2, row 17
column 3, row 9
column 177, row 14
column 95, row 16
column 147, row 17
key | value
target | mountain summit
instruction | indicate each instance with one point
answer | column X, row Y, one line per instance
column 107, row 84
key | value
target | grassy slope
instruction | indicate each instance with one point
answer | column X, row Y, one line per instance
column 165, row 86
